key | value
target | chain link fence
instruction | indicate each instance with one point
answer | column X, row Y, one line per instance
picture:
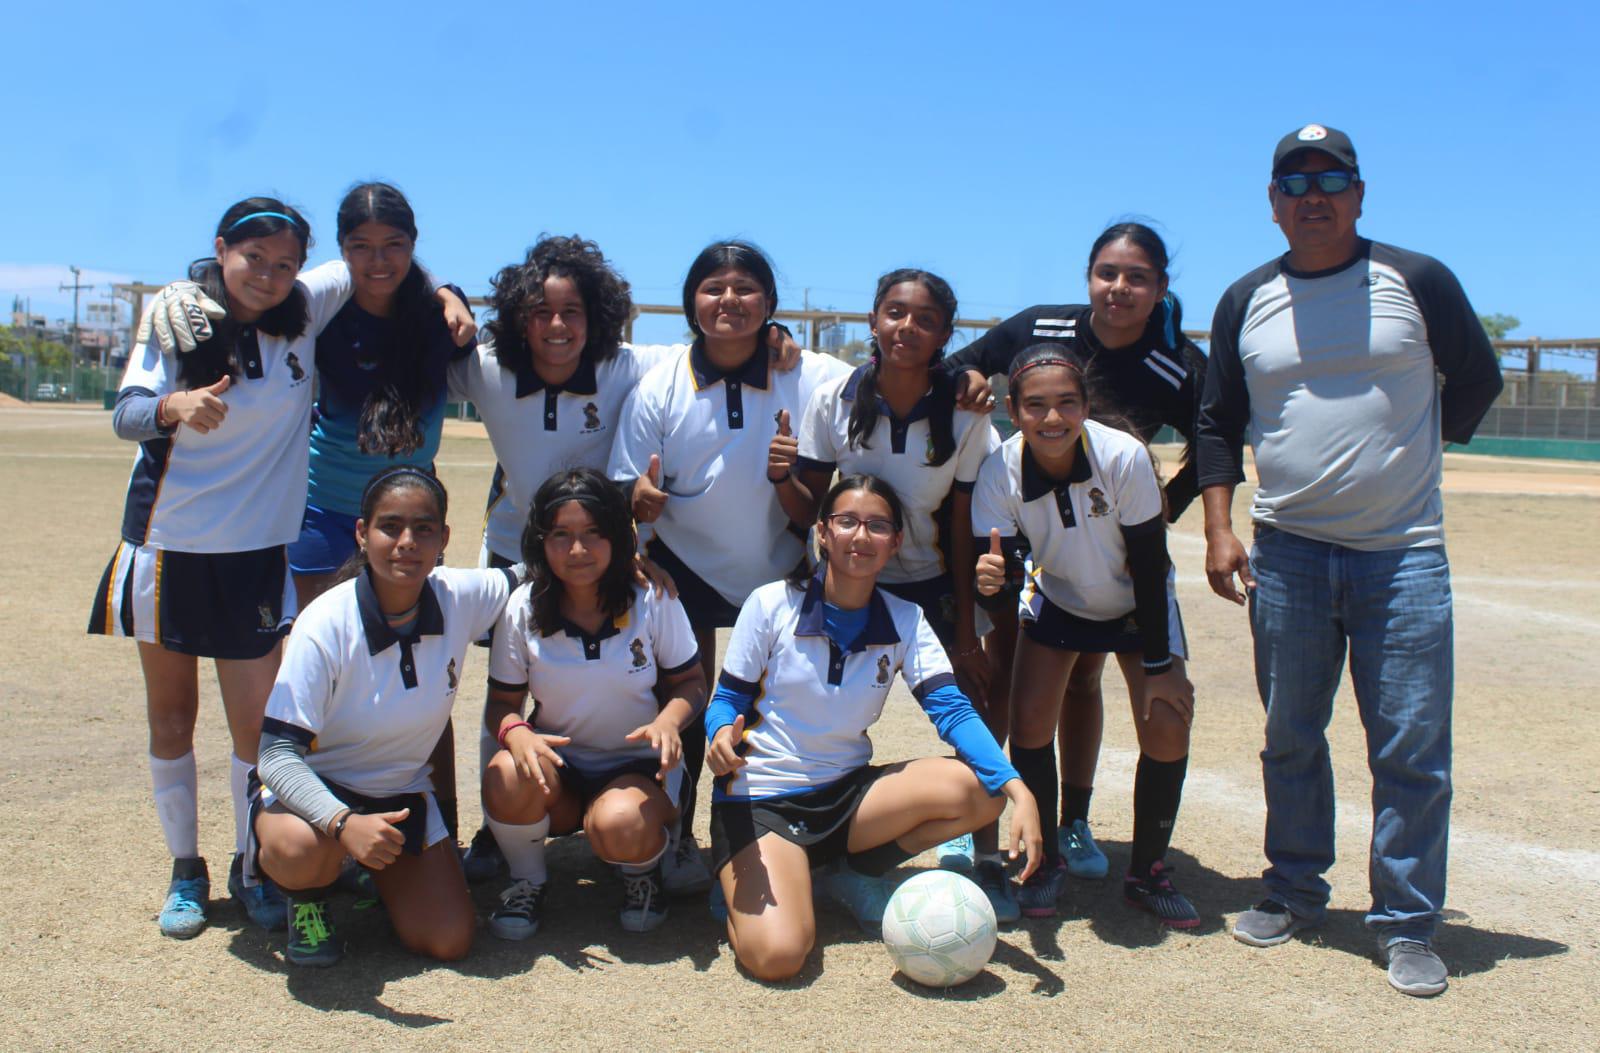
column 22, row 377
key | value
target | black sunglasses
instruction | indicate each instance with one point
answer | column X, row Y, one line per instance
column 1298, row 184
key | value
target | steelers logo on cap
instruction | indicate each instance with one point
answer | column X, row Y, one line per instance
column 1312, row 133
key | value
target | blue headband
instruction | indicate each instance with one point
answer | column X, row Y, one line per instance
column 262, row 215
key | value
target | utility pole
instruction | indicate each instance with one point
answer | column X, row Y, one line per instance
column 75, row 286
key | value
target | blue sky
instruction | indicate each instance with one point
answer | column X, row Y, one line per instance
column 845, row 138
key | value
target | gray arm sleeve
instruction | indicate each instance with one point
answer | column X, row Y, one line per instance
column 281, row 766
column 134, row 417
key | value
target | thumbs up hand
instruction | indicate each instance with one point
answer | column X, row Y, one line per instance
column 648, row 496
column 992, row 567
column 201, row 409
column 784, row 450
column 723, row 757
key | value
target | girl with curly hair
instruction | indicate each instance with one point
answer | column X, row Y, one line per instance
column 549, row 381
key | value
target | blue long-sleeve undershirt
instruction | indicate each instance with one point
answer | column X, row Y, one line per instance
column 951, row 712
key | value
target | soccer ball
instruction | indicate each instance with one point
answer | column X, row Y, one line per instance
column 939, row 928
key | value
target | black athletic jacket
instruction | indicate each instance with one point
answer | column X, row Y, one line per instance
column 1155, row 382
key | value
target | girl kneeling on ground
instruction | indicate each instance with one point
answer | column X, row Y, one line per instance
column 807, row 671
column 1080, row 502
column 369, row 678
column 615, row 673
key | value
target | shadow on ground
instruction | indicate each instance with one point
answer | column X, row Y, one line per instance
column 1465, row 948
column 579, row 931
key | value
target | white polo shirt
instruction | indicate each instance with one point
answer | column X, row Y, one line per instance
column 814, row 702
column 538, row 429
column 594, row 689
column 370, row 704
column 242, row 485
column 1079, row 560
column 898, row 452
column 711, row 431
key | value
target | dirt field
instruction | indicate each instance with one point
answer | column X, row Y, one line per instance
column 82, row 866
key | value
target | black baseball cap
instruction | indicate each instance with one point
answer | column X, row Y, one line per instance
column 1317, row 137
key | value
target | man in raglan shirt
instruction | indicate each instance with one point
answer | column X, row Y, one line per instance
column 1348, row 363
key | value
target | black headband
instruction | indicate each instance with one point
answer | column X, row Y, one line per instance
column 407, row 471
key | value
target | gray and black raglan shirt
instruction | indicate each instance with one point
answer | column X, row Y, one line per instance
column 1347, row 383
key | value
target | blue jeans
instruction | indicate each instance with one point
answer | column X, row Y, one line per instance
column 1391, row 610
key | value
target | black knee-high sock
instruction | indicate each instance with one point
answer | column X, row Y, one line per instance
column 1075, row 803
column 693, row 738
column 1157, row 789
column 877, row 862
column 1037, row 766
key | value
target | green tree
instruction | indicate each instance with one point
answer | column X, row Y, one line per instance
column 1498, row 325
column 46, row 354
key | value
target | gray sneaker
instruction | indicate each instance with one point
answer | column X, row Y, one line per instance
column 1268, row 924
column 1415, row 970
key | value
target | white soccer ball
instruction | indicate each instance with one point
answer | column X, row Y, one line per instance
column 939, row 928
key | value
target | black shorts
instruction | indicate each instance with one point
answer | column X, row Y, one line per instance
column 586, row 784
column 421, row 828
column 228, row 605
column 704, row 605
column 1055, row 628
column 816, row 820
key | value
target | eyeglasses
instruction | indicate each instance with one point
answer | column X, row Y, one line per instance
column 1298, row 184
column 848, row 523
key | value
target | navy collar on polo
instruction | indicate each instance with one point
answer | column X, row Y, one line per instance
column 581, row 382
column 921, row 411
column 753, row 372
column 879, row 630
column 590, row 642
column 926, row 406
column 1036, row 483
column 380, row 635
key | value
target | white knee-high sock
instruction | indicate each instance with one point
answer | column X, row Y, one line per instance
column 523, row 846
column 177, row 806
column 239, row 783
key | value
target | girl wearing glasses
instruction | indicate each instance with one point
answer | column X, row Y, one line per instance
column 806, row 674
column 1073, row 515
column 896, row 418
column 1142, row 374
column 705, row 443
column 615, row 675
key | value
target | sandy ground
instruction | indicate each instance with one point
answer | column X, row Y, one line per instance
column 82, row 867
